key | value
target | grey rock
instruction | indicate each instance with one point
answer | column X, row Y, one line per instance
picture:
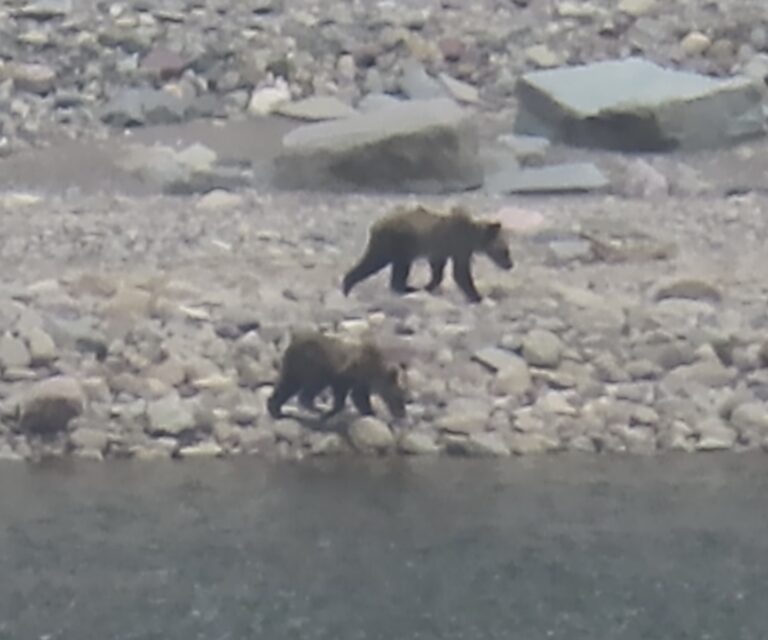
column 170, row 416
column 480, row 444
column 687, row 288
column 750, row 419
column 315, row 108
column 257, row 440
column 134, row 107
column 495, row 358
column 31, row 78
column 427, row 146
column 542, row 348
column 92, row 441
column 369, row 434
column 418, row 443
column 164, row 63
column 634, row 104
column 714, row 435
column 559, row 178
column 288, row 429
column 13, row 352
column 326, row 444
column 514, row 379
column 487, row 443
column 44, row 10
column 49, row 405
column 708, row 373
column 42, row 348
column 464, row 416
column 532, row 443
column 417, row 84
column 460, row 91
column 527, row 149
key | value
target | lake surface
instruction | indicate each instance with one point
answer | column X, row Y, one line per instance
column 562, row 547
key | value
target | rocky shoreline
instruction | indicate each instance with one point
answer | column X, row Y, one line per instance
column 156, row 347
column 141, row 325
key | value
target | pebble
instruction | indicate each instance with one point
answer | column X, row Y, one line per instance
column 695, row 43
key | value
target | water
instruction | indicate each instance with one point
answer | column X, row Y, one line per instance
column 560, row 548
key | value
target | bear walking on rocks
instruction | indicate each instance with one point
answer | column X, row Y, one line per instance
column 408, row 233
column 314, row 361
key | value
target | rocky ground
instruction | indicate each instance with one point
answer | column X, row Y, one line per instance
column 139, row 324
column 157, row 323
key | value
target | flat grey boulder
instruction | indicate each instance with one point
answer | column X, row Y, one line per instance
column 418, row 146
column 636, row 105
column 567, row 177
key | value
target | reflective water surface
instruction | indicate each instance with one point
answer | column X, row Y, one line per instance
column 562, row 548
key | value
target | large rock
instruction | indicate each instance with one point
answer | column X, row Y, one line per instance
column 634, row 104
column 425, row 146
column 49, row 406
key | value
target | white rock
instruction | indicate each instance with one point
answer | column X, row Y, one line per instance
column 264, row 101
column 219, row 200
column 207, row 449
column 695, row 43
column 637, row 8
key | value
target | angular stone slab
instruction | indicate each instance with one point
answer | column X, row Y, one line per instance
column 569, row 177
column 417, row 146
column 636, row 105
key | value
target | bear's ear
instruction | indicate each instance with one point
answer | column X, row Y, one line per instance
column 492, row 229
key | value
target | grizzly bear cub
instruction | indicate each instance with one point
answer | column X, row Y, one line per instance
column 313, row 361
column 408, row 233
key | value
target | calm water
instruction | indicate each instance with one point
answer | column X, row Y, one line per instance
column 547, row 548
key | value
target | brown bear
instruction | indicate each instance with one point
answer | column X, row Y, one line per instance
column 408, row 233
column 314, row 361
